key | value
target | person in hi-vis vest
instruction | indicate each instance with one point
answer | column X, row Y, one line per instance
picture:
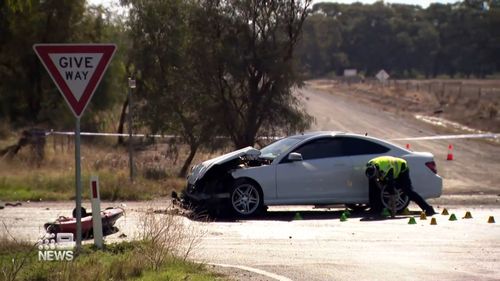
column 395, row 173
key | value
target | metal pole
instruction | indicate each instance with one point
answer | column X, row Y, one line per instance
column 130, row 152
column 78, row 187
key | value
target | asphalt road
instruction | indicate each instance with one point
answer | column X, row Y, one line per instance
column 319, row 246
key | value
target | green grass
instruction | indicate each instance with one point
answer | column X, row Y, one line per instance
column 180, row 270
column 121, row 261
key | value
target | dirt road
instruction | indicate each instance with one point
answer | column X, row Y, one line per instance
column 476, row 165
column 320, row 246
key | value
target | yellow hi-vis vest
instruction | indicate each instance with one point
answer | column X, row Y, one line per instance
column 385, row 163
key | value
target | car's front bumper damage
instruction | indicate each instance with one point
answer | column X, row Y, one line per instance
column 201, row 198
column 209, row 183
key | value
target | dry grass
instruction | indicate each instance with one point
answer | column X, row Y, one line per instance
column 166, row 235
column 22, row 178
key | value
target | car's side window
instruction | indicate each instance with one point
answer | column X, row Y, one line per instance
column 320, row 148
column 357, row 146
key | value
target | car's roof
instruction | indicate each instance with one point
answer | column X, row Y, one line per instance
column 319, row 134
column 307, row 135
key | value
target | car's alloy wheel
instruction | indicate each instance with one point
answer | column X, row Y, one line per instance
column 402, row 200
column 246, row 199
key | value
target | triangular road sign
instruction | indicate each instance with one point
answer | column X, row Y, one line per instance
column 76, row 69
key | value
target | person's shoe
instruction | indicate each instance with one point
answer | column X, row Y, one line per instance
column 430, row 211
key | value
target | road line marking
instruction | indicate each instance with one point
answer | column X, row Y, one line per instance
column 255, row 270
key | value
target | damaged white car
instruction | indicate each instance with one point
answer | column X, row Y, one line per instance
column 317, row 168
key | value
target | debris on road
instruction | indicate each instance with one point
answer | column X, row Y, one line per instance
column 13, row 204
column 68, row 224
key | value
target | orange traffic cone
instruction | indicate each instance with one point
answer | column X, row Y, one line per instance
column 449, row 157
column 408, row 146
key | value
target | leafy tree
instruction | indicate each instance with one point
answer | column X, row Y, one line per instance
column 171, row 98
column 211, row 68
column 453, row 39
column 252, row 44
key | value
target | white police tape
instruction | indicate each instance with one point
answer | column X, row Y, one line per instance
column 48, row 133
column 447, row 137
column 441, row 137
column 108, row 134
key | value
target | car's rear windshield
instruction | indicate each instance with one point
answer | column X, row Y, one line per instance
column 275, row 149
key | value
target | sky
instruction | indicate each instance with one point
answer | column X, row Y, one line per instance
column 423, row 3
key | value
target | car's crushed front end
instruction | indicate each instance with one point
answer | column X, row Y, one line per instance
column 209, row 182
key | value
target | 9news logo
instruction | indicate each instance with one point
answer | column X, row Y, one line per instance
column 56, row 248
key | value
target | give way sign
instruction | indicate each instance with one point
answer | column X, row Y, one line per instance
column 76, row 69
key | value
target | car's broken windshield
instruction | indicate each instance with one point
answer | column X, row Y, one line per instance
column 275, row 149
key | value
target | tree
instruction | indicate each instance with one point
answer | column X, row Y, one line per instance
column 171, row 97
column 251, row 44
column 406, row 40
column 210, row 68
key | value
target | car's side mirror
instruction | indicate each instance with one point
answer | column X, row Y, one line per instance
column 294, row 156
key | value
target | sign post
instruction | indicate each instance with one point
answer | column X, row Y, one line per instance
column 76, row 69
column 131, row 85
column 95, row 200
column 78, row 180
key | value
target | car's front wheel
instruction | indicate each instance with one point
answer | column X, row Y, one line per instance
column 246, row 198
column 401, row 199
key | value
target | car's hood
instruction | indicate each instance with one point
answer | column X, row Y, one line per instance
column 200, row 170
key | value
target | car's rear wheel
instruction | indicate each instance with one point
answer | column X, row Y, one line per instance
column 246, row 198
column 402, row 200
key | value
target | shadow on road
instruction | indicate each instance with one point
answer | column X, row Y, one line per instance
column 301, row 215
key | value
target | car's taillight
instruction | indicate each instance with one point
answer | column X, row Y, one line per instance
column 432, row 166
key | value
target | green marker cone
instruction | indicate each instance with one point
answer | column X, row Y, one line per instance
column 385, row 213
column 347, row 213
column 453, row 217
column 297, row 216
column 412, row 221
column 343, row 217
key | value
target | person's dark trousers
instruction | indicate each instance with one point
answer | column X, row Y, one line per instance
column 404, row 182
column 374, row 197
